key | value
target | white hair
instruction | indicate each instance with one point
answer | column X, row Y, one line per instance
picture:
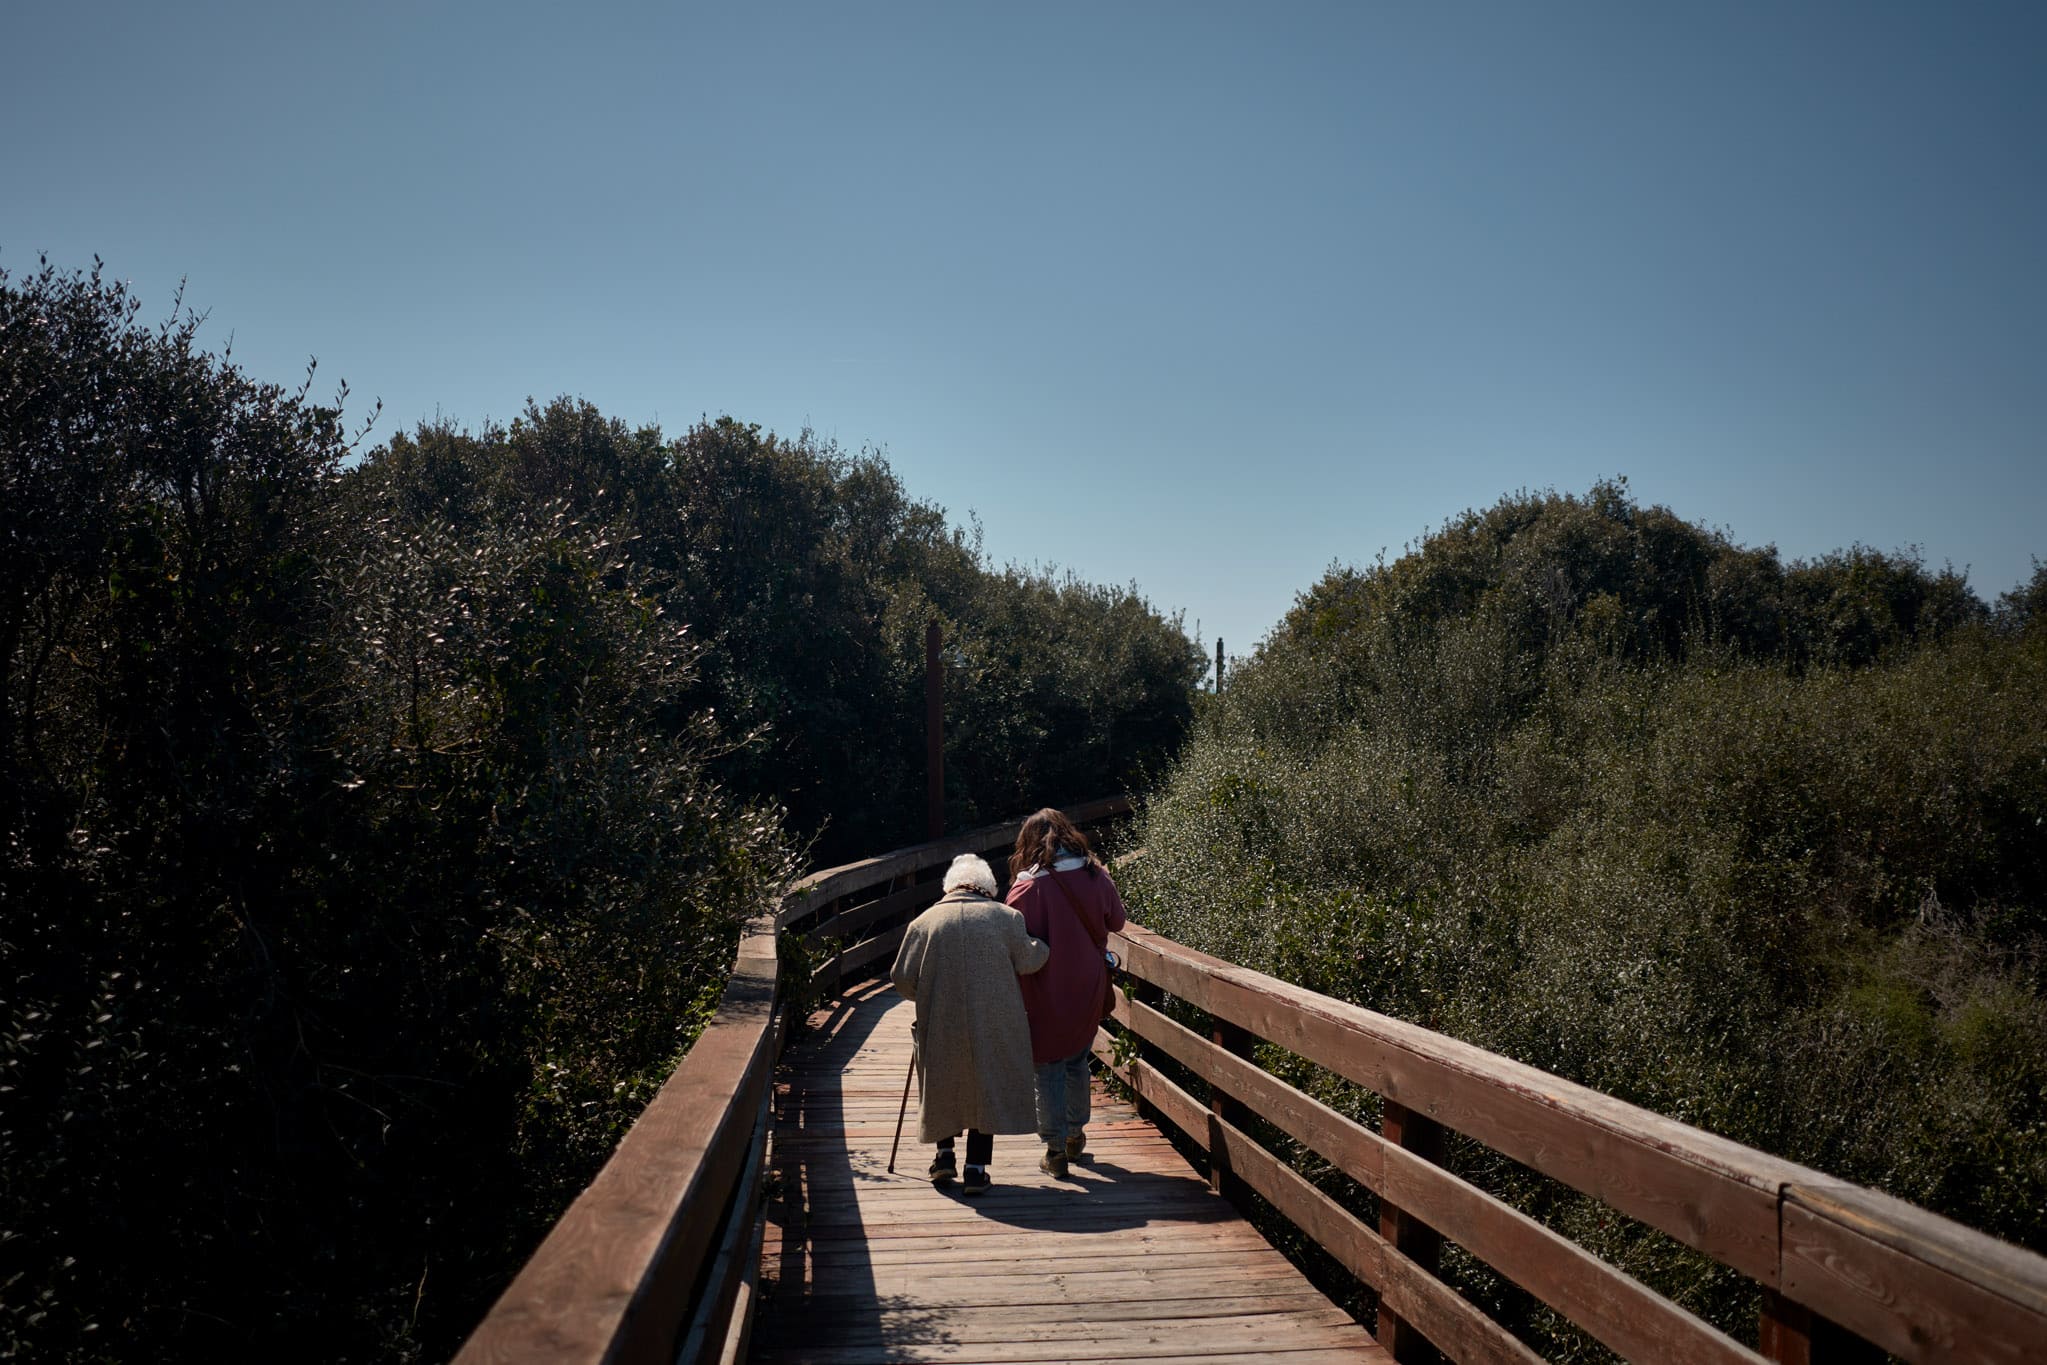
column 972, row 871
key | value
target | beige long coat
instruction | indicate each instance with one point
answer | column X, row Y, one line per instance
column 959, row 962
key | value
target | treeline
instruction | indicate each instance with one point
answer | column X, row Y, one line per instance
column 1761, row 846
column 376, row 830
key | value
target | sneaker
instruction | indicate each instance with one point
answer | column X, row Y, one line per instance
column 943, row 1167
column 1075, row 1145
column 1053, row 1163
column 976, row 1181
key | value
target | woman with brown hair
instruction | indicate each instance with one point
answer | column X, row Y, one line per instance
column 1067, row 900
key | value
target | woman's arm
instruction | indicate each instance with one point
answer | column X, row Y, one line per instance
column 1026, row 954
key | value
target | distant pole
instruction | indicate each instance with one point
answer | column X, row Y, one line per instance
column 934, row 736
column 1218, row 665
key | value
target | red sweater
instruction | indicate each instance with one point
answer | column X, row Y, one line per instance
column 1064, row 1000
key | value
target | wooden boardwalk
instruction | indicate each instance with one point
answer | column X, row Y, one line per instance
column 1130, row 1258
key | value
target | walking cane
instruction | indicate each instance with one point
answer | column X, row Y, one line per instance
column 904, row 1109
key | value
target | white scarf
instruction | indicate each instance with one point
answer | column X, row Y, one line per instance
column 1067, row 861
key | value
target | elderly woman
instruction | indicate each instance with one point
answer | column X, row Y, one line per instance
column 959, row 962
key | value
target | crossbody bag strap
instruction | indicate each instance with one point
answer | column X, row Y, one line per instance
column 1074, row 905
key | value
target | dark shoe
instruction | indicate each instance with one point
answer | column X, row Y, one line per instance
column 1075, row 1145
column 944, row 1168
column 1053, row 1163
column 976, row 1181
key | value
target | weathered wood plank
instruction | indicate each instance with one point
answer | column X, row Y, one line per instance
column 920, row 1340
column 1213, row 1244
column 848, row 923
column 852, row 1319
column 1127, row 1287
column 1908, row 1280
column 879, row 948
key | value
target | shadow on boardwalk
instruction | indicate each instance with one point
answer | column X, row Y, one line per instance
column 1131, row 1257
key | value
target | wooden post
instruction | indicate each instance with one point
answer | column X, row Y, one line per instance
column 1218, row 665
column 1416, row 1240
column 1239, row 1042
column 934, row 736
column 1793, row 1334
column 1785, row 1332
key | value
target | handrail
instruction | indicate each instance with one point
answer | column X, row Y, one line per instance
column 1832, row 1258
column 655, row 1260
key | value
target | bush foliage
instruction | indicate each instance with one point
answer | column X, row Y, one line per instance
column 377, row 832
column 1759, row 846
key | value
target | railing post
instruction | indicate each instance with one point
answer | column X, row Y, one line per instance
column 1413, row 1238
column 1784, row 1333
column 1238, row 1042
column 934, row 735
column 1793, row 1334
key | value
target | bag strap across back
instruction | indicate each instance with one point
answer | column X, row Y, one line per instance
column 1074, row 905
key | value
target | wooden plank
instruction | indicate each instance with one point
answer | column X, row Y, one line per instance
column 971, row 1255
column 1128, row 1283
column 1998, row 1267
column 709, row 1325
column 881, row 946
column 1156, row 1255
column 836, row 1343
column 1027, row 1319
column 1020, row 1204
column 969, row 1228
column 1058, row 1353
column 1908, row 1280
column 746, row 1302
column 1225, row 1240
column 846, row 925
column 1707, row 1192
column 1030, row 1333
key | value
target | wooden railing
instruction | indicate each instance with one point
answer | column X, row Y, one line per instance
column 1841, row 1267
column 655, row 1261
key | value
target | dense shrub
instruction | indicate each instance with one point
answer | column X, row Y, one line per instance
column 1790, row 892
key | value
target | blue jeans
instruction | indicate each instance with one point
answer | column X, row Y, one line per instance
column 1062, row 1098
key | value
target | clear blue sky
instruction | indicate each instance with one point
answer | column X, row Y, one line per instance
column 1200, row 297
